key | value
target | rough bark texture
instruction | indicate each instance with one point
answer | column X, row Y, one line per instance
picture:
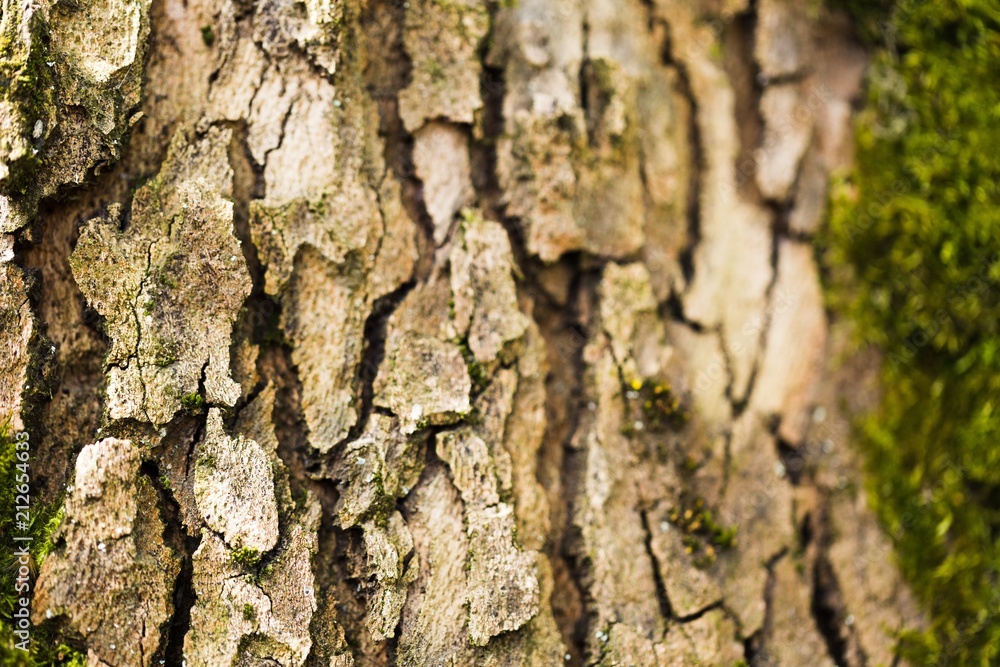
column 436, row 333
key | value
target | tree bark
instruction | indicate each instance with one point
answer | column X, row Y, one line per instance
column 437, row 332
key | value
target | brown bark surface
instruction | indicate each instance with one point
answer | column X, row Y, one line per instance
column 438, row 332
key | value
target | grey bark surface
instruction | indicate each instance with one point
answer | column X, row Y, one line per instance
column 437, row 332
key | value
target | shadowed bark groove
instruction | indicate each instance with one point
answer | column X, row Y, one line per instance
column 439, row 332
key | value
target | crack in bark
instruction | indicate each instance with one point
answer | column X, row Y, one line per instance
column 696, row 615
column 743, row 71
column 827, row 610
column 389, row 71
column 77, row 377
column 666, row 610
column 373, row 354
column 565, row 539
column 755, row 646
column 171, row 648
column 698, row 165
column 557, row 322
column 791, row 458
column 827, row 602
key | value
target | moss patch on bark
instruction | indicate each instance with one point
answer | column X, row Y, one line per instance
column 913, row 251
column 44, row 648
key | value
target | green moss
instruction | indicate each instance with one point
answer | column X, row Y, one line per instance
column 477, row 372
column 661, row 408
column 207, row 460
column 44, row 519
column 381, row 508
column 249, row 613
column 869, row 17
column 690, row 465
column 300, row 496
column 45, row 651
column 166, row 280
column 245, row 557
column 164, row 354
column 604, row 73
column 265, row 573
column 703, row 536
column 912, row 253
column 26, row 85
column 604, row 148
column 192, row 401
column 318, row 206
column 207, row 35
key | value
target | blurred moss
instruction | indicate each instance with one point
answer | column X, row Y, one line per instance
column 912, row 256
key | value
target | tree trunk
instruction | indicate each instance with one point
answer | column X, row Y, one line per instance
column 437, row 332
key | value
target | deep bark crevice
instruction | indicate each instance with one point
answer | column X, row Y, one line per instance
column 740, row 64
column 569, row 548
column 64, row 407
column 565, row 337
column 827, row 605
column 373, row 353
column 171, row 649
column 827, row 611
column 248, row 184
column 485, row 179
column 753, row 649
column 388, row 71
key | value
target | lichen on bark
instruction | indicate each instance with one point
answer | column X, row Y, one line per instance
column 170, row 285
column 76, row 75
